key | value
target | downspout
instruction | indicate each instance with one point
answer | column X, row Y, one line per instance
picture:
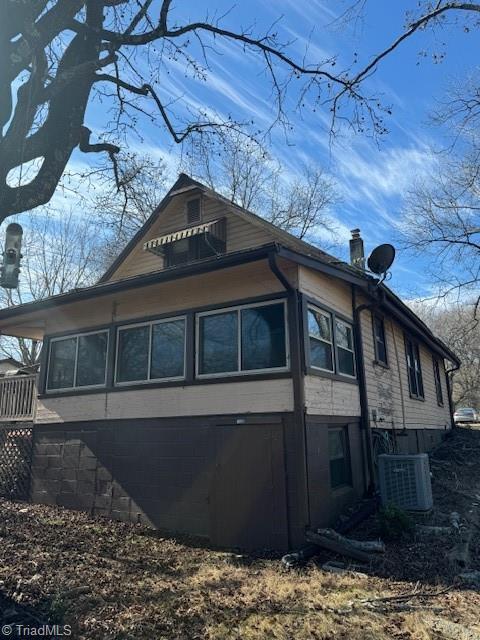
column 448, row 377
column 362, row 385
column 296, row 351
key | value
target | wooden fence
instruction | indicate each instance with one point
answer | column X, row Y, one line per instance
column 18, row 396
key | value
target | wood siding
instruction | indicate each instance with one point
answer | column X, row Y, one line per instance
column 240, row 234
column 331, row 292
column 254, row 396
column 387, row 388
column 214, row 288
column 327, row 397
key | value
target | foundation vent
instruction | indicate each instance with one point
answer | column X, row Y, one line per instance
column 405, row 481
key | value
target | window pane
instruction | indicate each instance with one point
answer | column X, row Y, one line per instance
column 133, row 354
column 218, row 343
column 92, row 358
column 321, row 354
column 319, row 325
column 346, row 362
column 177, row 252
column 381, row 352
column 412, row 378
column 340, row 471
column 61, row 371
column 263, row 337
column 418, row 371
column 205, row 246
column 380, row 343
column 438, row 383
column 168, row 349
column 344, row 335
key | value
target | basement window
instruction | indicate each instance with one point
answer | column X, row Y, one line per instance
column 339, row 457
column 242, row 340
column 77, row 361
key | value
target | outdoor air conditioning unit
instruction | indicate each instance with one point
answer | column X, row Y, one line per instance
column 405, row 481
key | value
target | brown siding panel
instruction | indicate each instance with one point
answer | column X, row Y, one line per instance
column 327, row 504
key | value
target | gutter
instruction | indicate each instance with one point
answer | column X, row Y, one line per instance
column 144, row 280
column 295, row 325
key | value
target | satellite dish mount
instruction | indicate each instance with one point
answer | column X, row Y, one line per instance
column 381, row 259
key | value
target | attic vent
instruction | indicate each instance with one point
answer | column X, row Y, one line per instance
column 193, row 211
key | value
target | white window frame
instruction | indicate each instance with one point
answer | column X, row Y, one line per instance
column 328, row 315
column 238, row 371
column 75, row 387
column 150, row 324
column 352, row 350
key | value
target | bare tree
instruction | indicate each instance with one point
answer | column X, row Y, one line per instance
column 122, row 213
column 442, row 219
column 459, row 330
column 62, row 252
column 245, row 172
column 242, row 170
column 59, row 55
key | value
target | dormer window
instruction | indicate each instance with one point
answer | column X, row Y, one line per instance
column 193, row 211
column 195, row 242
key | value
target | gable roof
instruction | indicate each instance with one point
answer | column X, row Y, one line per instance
column 283, row 244
column 185, row 183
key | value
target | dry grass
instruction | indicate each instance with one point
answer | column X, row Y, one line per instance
column 111, row 580
column 116, row 581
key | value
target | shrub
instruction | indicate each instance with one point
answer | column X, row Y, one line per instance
column 394, row 523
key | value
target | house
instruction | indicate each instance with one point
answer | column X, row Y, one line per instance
column 226, row 380
column 9, row 366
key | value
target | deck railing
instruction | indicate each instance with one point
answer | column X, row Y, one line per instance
column 18, row 397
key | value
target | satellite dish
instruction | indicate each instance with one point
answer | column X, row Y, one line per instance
column 381, row 259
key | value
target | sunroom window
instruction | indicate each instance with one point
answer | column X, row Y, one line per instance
column 151, row 351
column 320, row 339
column 330, row 346
column 241, row 340
column 77, row 361
column 345, row 352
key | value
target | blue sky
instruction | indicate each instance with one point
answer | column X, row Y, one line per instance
column 373, row 176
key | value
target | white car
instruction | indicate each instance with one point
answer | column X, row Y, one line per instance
column 466, row 414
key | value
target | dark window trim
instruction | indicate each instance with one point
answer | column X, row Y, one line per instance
column 438, row 380
column 381, row 317
column 310, row 370
column 242, row 372
column 415, row 343
column 150, row 324
column 189, row 379
column 337, row 347
column 74, row 387
column 178, row 384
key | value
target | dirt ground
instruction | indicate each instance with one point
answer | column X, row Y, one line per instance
column 109, row 580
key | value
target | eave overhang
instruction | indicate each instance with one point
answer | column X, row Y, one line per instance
column 390, row 303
